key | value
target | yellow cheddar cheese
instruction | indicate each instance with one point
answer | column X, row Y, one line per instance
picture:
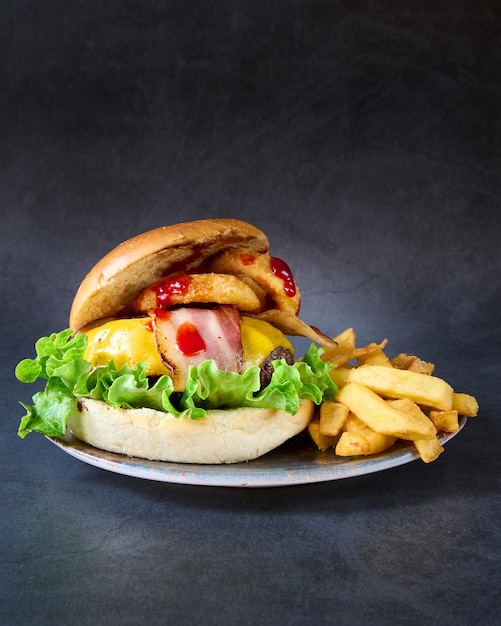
column 259, row 339
column 125, row 341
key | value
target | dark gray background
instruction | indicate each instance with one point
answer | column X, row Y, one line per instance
column 364, row 138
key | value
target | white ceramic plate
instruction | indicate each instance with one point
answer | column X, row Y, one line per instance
column 296, row 462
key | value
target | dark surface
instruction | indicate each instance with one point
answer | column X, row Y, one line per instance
column 364, row 138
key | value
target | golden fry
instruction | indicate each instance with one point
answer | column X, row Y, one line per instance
column 332, row 417
column 345, row 357
column 405, row 361
column 465, row 404
column 339, row 375
column 380, row 416
column 377, row 357
column 374, row 442
column 355, row 444
column 429, row 450
column 352, row 444
column 422, row 367
column 345, row 343
column 423, row 389
column 323, row 442
column 346, row 340
column 445, row 421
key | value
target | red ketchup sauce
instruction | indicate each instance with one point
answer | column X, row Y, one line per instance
column 175, row 285
column 282, row 270
column 188, row 339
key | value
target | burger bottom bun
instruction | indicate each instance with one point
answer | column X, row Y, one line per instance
column 223, row 436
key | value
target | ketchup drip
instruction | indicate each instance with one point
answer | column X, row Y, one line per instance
column 282, row 270
column 175, row 285
column 161, row 314
column 189, row 340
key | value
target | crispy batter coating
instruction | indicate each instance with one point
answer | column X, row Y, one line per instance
column 198, row 288
column 284, row 293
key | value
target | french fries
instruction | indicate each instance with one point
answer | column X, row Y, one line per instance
column 411, row 362
column 446, row 421
column 428, row 449
column 323, row 442
column 332, row 418
column 360, row 439
column 377, row 357
column 465, row 404
column 383, row 400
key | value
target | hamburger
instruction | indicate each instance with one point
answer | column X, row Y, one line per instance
column 178, row 350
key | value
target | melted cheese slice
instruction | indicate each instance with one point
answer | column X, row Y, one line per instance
column 125, row 341
column 259, row 339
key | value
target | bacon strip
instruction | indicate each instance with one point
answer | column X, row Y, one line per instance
column 218, row 333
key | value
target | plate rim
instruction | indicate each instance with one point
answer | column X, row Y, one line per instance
column 256, row 473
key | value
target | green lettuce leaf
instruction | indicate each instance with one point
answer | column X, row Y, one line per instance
column 52, row 352
column 69, row 377
column 50, row 411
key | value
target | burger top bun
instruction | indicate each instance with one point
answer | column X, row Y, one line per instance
column 118, row 277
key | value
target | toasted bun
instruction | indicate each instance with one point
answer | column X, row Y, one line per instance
column 223, row 436
column 112, row 284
